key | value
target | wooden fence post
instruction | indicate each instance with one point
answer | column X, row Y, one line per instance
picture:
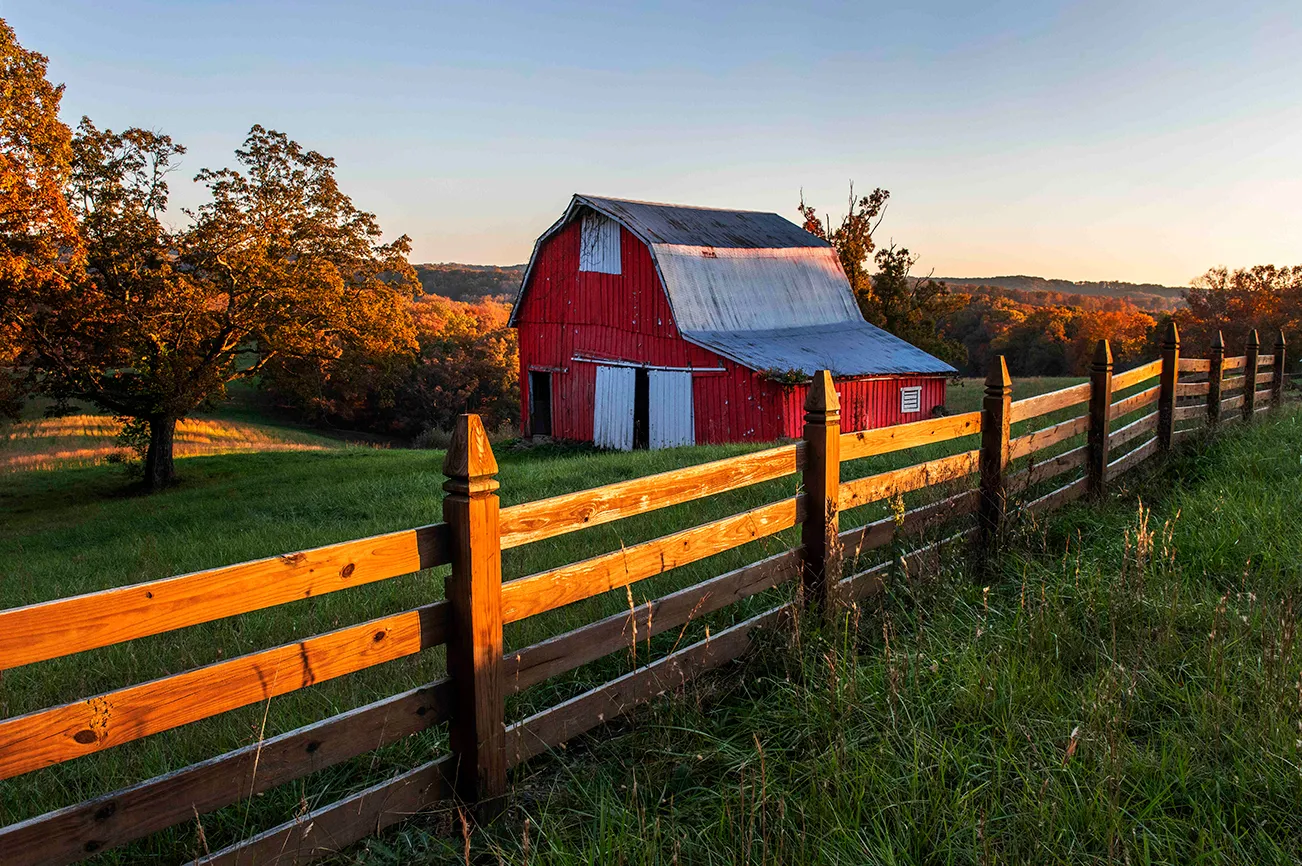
column 1277, row 379
column 1215, row 375
column 1100, row 404
column 1251, row 351
column 819, row 533
column 996, row 412
column 474, row 588
column 1166, row 388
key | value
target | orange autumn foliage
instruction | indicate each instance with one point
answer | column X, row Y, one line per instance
column 38, row 231
column 469, row 362
column 465, row 360
column 1046, row 339
column 1265, row 297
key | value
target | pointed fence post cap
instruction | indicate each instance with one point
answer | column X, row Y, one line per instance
column 469, row 463
column 1218, row 342
column 822, row 397
column 1103, row 354
column 997, row 380
column 1172, row 335
column 1252, row 338
column 1279, row 339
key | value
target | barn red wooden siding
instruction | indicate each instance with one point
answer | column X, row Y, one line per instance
column 626, row 317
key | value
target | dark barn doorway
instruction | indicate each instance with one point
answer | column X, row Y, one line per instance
column 540, row 403
column 641, row 409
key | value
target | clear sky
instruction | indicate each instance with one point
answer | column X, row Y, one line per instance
column 1144, row 141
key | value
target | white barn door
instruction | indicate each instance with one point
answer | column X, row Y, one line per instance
column 670, row 422
column 612, row 419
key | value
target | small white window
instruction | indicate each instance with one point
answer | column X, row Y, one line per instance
column 598, row 244
column 910, row 400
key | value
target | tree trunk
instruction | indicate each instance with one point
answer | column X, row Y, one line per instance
column 160, row 472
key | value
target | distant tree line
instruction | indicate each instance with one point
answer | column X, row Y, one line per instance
column 1147, row 296
column 472, row 283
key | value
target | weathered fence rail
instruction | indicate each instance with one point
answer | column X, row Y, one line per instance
column 1188, row 394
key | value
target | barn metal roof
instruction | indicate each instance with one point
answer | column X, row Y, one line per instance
column 843, row 349
column 755, row 288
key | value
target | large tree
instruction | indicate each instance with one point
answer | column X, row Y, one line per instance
column 277, row 263
column 38, row 232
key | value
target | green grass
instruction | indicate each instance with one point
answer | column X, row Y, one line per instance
column 77, row 530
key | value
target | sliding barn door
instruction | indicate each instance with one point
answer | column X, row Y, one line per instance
column 670, row 402
column 612, row 420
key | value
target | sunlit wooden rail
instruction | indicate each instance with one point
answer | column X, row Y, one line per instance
column 1172, row 397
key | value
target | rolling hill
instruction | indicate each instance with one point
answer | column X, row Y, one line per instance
column 1149, row 296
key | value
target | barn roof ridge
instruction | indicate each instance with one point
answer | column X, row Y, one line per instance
column 650, row 203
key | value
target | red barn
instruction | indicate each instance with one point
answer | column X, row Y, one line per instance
column 654, row 325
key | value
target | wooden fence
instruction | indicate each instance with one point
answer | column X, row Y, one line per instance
column 1188, row 393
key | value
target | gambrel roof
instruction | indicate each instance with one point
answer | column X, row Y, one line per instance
column 755, row 288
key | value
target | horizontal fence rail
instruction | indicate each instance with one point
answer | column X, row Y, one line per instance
column 898, row 481
column 1134, row 402
column 124, row 613
column 1048, row 437
column 831, row 566
column 870, row 582
column 538, row 593
column 62, row 733
column 534, row 664
column 1142, row 373
column 1051, row 402
column 911, row 523
column 535, row 521
column 123, row 816
column 883, row 440
column 563, row 722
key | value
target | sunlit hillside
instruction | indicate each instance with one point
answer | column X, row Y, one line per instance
column 88, row 440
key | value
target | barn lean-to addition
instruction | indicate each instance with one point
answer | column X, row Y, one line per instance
column 654, row 325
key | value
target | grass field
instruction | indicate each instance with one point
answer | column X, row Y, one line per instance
column 76, row 530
